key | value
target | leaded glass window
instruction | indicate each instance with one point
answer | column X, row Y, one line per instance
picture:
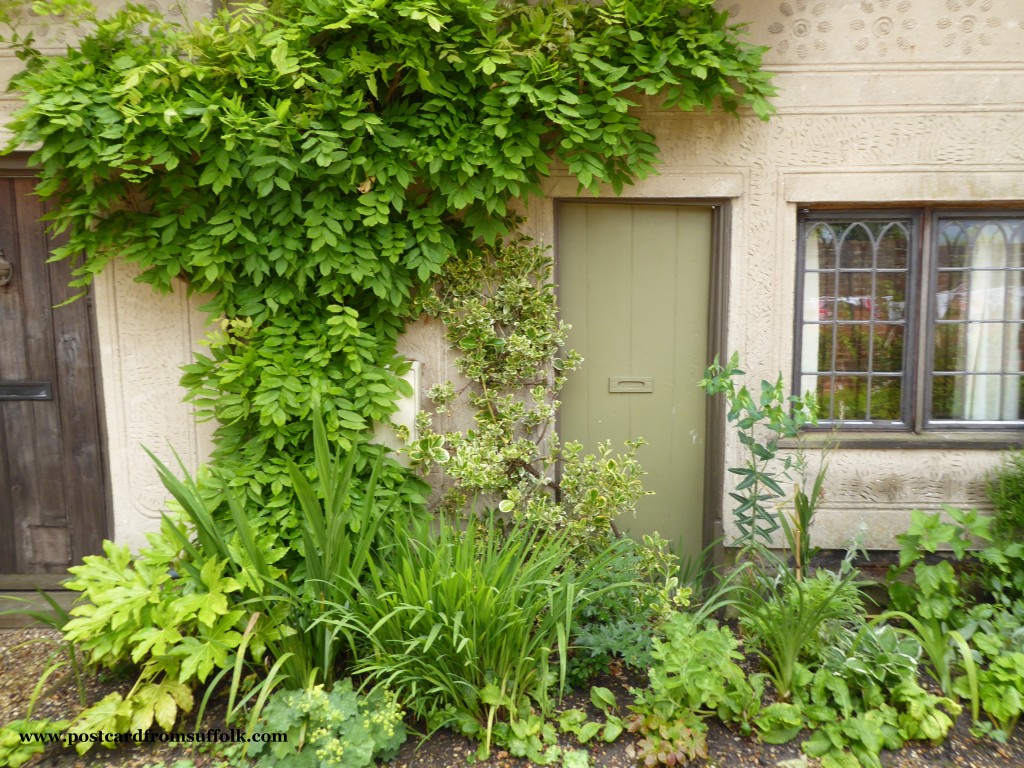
column 869, row 349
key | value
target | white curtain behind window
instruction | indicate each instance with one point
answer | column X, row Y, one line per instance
column 812, row 313
column 994, row 295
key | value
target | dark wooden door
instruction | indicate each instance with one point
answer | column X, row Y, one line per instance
column 53, row 500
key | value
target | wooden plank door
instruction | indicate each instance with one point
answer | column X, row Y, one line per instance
column 633, row 281
column 53, row 500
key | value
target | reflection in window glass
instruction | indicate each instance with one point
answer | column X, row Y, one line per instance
column 854, row 316
column 977, row 319
column 871, row 321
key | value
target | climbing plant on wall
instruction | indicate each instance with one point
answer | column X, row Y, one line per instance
column 312, row 163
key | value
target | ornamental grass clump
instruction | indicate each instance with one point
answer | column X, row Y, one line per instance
column 471, row 625
column 784, row 616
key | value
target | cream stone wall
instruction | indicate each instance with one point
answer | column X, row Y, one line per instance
column 143, row 340
column 880, row 102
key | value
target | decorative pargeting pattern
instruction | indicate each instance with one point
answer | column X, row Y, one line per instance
column 886, row 30
column 889, row 102
column 880, row 103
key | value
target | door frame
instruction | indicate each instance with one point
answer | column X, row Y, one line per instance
column 17, row 165
column 712, row 528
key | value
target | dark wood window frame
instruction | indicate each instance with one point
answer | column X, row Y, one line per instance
column 911, row 426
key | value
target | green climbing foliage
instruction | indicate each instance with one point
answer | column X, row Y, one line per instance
column 312, row 164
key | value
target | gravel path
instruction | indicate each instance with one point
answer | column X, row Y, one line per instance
column 25, row 654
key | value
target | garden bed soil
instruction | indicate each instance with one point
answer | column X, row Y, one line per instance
column 25, row 654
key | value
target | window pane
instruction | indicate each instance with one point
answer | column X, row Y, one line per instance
column 856, row 291
column 819, row 386
column 951, row 295
column 850, row 398
column 890, row 296
column 887, row 348
column 952, row 245
column 853, row 316
column 950, row 347
column 853, row 347
column 819, row 298
column 886, row 398
column 821, row 247
column 979, row 287
column 893, row 246
column 943, row 395
column 856, row 250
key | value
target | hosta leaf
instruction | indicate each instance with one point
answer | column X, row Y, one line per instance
column 864, row 731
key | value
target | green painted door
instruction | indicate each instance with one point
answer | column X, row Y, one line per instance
column 634, row 282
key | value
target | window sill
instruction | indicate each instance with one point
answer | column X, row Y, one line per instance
column 988, row 440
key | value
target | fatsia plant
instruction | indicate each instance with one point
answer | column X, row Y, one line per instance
column 338, row 536
column 209, row 599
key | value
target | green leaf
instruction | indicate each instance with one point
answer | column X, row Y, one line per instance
column 602, row 698
column 111, row 714
column 160, row 702
column 612, row 729
column 284, row 64
column 493, row 696
column 587, row 731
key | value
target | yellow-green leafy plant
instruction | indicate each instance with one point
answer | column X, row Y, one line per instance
column 334, row 729
column 209, row 600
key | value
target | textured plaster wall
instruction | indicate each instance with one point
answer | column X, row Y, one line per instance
column 143, row 340
column 881, row 101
